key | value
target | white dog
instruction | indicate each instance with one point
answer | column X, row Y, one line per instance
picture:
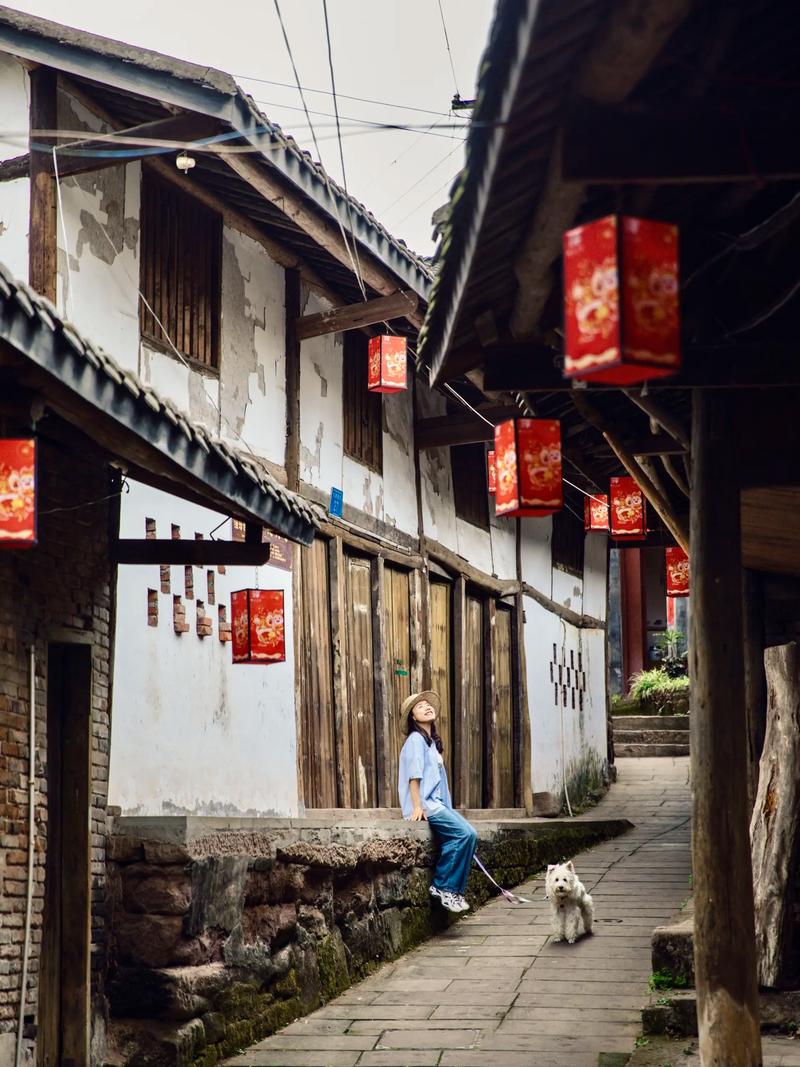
column 569, row 902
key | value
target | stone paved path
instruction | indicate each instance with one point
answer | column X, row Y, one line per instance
column 494, row 991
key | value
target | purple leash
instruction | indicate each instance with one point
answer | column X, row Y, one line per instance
column 511, row 897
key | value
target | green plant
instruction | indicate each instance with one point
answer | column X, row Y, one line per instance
column 673, row 662
column 650, row 685
column 640, row 1042
column 667, row 980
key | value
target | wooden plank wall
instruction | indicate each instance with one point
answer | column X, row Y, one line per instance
column 441, row 661
column 472, row 725
column 501, row 745
column 397, row 613
column 360, row 683
column 317, row 707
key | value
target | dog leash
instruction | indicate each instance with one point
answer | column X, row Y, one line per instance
column 511, row 897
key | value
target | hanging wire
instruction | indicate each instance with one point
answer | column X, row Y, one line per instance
column 344, row 96
column 350, row 256
column 449, row 50
column 341, row 147
column 420, row 180
column 125, row 488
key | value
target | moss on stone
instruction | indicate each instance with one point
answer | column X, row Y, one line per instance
column 334, row 976
column 288, row 986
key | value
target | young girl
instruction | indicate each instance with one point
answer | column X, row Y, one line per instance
column 424, row 794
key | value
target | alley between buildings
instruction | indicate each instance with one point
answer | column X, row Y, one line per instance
column 494, row 989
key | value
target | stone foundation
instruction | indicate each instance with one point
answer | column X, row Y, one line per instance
column 223, row 931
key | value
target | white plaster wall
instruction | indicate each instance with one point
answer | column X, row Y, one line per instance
column 567, row 589
column 595, row 572
column 14, row 196
column 563, row 737
column 191, row 731
column 536, row 537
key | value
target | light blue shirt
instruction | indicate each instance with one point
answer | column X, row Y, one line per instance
column 421, row 760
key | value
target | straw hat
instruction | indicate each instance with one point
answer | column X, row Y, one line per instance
column 410, row 701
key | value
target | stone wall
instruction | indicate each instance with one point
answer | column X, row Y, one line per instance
column 223, row 932
column 60, row 590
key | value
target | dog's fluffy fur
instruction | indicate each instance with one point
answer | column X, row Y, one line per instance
column 569, row 902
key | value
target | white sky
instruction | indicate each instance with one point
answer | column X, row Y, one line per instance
column 387, row 50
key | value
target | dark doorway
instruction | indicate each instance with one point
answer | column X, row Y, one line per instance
column 64, row 976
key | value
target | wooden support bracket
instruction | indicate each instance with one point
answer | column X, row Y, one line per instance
column 356, row 316
column 136, row 551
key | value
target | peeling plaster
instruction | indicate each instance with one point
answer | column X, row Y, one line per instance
column 240, row 358
column 323, row 388
column 313, row 460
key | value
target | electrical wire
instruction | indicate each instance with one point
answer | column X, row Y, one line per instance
column 401, row 127
column 449, row 50
column 419, row 181
column 125, row 488
column 339, row 137
column 350, row 256
column 428, row 198
column 344, row 96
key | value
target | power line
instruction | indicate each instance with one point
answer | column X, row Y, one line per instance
column 344, row 96
column 422, row 203
column 449, row 51
column 339, row 137
column 419, row 181
column 401, row 126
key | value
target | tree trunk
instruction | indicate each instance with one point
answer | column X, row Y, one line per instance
column 774, row 827
column 755, row 684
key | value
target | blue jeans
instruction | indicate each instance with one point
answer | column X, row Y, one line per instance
column 457, row 841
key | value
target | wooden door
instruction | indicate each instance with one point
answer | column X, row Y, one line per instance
column 501, row 739
column 317, row 716
column 441, row 661
column 362, row 768
column 63, row 1015
column 472, row 713
column 397, row 613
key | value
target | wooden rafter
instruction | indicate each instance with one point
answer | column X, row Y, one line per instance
column 356, row 316
column 197, row 553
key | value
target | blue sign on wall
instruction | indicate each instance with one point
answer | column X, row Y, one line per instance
column 337, row 502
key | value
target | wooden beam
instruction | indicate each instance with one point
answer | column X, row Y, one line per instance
column 672, row 471
column 665, row 419
column 42, row 239
column 653, row 444
column 321, row 229
column 18, row 167
column 724, row 926
column 131, row 550
column 646, row 145
column 356, row 316
column 675, row 524
column 439, row 431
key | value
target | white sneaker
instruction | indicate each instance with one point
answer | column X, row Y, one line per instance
column 434, row 892
column 463, row 903
column 451, row 902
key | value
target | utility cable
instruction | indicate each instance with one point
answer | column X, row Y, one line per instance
column 420, row 180
column 341, row 148
column 344, row 96
column 449, row 50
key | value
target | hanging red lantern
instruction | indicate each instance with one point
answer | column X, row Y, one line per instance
column 677, row 572
column 621, row 301
column 528, row 465
column 387, row 364
column 491, row 471
column 259, row 628
column 18, row 492
column 628, row 516
column 595, row 512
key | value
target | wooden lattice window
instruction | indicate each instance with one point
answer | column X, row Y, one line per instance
column 363, row 411
column 181, row 243
column 470, row 493
column 568, row 542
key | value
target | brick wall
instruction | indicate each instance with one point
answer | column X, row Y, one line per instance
column 63, row 584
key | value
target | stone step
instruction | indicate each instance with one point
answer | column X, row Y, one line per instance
column 650, row 722
column 675, row 1012
column 651, row 737
column 651, row 750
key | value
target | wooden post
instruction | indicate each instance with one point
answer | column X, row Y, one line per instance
column 386, row 787
column 42, row 241
column 460, row 726
column 724, row 931
column 336, row 571
column 292, row 380
column 491, row 787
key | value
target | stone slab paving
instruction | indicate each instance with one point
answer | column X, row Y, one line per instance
column 494, row 991
column 778, row 1051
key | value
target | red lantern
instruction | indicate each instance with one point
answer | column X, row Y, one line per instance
column 491, row 471
column 677, row 572
column 621, row 301
column 387, row 364
column 528, row 465
column 595, row 513
column 17, row 492
column 259, row 630
column 627, row 513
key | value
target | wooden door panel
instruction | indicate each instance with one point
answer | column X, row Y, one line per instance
column 442, row 665
column 502, row 739
column 317, row 715
column 360, row 684
column 398, row 653
column 472, row 729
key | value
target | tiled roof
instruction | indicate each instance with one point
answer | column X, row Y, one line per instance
column 40, row 332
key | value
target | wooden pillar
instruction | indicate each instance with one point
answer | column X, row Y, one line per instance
column 42, row 241
column 724, row 931
column 387, row 789
column 460, row 725
column 634, row 622
column 292, row 343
